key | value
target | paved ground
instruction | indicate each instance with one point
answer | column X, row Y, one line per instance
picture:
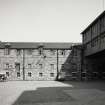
column 52, row 93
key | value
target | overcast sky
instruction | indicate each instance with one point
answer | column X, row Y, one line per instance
column 46, row 20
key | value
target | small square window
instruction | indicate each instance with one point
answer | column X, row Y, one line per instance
column 29, row 51
column 18, row 74
column 7, row 74
column 52, row 52
column 40, row 74
column 52, row 74
column 7, row 65
column 40, row 66
column 29, row 74
column 52, row 66
column 29, row 65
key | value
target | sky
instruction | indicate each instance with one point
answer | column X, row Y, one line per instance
column 46, row 20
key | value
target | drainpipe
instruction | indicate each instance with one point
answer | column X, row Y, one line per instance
column 82, row 61
column 57, row 66
column 23, row 64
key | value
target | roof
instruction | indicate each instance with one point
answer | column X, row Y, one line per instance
column 23, row 45
column 103, row 13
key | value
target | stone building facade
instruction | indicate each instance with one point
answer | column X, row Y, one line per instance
column 73, row 64
column 33, row 61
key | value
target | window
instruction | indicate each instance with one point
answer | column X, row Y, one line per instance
column 52, row 74
column 62, row 52
column 52, row 52
column 7, row 74
column 7, row 65
column 102, row 23
column 29, row 65
column 52, row 66
column 40, row 52
column 40, row 49
column 62, row 65
column 6, row 51
column 74, row 66
column 18, row 51
column 75, row 52
column 17, row 67
column 40, row 66
column 40, row 74
column 29, row 74
column 18, row 74
column 29, row 51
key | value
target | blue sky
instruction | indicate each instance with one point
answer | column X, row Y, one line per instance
column 46, row 20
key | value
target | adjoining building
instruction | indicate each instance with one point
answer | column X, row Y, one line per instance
column 34, row 61
column 73, row 64
column 94, row 49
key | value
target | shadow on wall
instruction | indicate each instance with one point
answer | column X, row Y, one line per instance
column 43, row 95
column 72, row 66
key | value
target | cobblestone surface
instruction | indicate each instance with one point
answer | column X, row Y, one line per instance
column 52, row 93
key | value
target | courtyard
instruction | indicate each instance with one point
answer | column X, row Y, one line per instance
column 52, row 93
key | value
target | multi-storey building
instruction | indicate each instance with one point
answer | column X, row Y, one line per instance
column 94, row 48
column 33, row 61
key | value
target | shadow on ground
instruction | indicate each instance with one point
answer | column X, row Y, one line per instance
column 81, row 92
column 43, row 95
column 96, row 84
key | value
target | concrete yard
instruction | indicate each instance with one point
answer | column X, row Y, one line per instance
column 52, row 93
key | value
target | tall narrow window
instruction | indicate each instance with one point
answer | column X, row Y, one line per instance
column 40, row 52
column 18, row 51
column 17, row 67
column 40, row 49
column 6, row 51
column 75, row 52
column 62, row 52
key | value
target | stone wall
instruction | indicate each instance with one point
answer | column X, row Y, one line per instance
column 28, row 64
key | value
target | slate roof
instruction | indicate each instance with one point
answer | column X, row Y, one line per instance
column 23, row 45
